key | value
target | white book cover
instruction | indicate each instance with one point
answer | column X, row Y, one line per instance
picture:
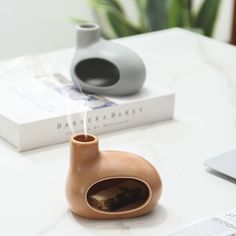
column 222, row 224
column 40, row 106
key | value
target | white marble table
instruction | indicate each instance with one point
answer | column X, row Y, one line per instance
column 202, row 72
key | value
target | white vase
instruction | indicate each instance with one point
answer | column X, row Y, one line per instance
column 104, row 67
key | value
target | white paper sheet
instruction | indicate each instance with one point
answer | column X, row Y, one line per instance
column 219, row 225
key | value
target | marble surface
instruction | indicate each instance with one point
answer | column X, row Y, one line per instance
column 202, row 72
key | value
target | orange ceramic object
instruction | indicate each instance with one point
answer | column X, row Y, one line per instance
column 109, row 184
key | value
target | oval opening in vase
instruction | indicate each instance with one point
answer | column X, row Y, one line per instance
column 116, row 195
column 97, row 72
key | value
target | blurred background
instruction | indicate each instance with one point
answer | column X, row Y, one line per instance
column 30, row 26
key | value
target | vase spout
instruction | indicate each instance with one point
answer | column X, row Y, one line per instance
column 84, row 151
column 87, row 34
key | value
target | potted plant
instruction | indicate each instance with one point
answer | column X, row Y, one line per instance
column 156, row 15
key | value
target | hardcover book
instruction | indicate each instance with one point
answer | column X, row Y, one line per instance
column 43, row 107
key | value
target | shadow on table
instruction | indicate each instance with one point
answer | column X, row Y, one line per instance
column 156, row 217
column 220, row 175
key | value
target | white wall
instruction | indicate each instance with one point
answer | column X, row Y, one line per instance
column 32, row 26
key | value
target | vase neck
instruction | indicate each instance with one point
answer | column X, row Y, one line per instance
column 87, row 34
column 84, row 151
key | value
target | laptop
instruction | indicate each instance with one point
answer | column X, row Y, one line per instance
column 224, row 163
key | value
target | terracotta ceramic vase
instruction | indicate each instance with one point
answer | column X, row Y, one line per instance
column 109, row 184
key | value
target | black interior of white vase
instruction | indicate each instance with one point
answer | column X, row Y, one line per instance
column 97, row 72
column 118, row 194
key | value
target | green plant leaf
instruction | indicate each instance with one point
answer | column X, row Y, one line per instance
column 121, row 25
column 115, row 4
column 76, row 20
column 157, row 14
column 114, row 20
column 179, row 13
column 142, row 14
column 207, row 15
column 119, row 22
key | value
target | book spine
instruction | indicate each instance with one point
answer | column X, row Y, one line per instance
column 9, row 131
column 117, row 117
